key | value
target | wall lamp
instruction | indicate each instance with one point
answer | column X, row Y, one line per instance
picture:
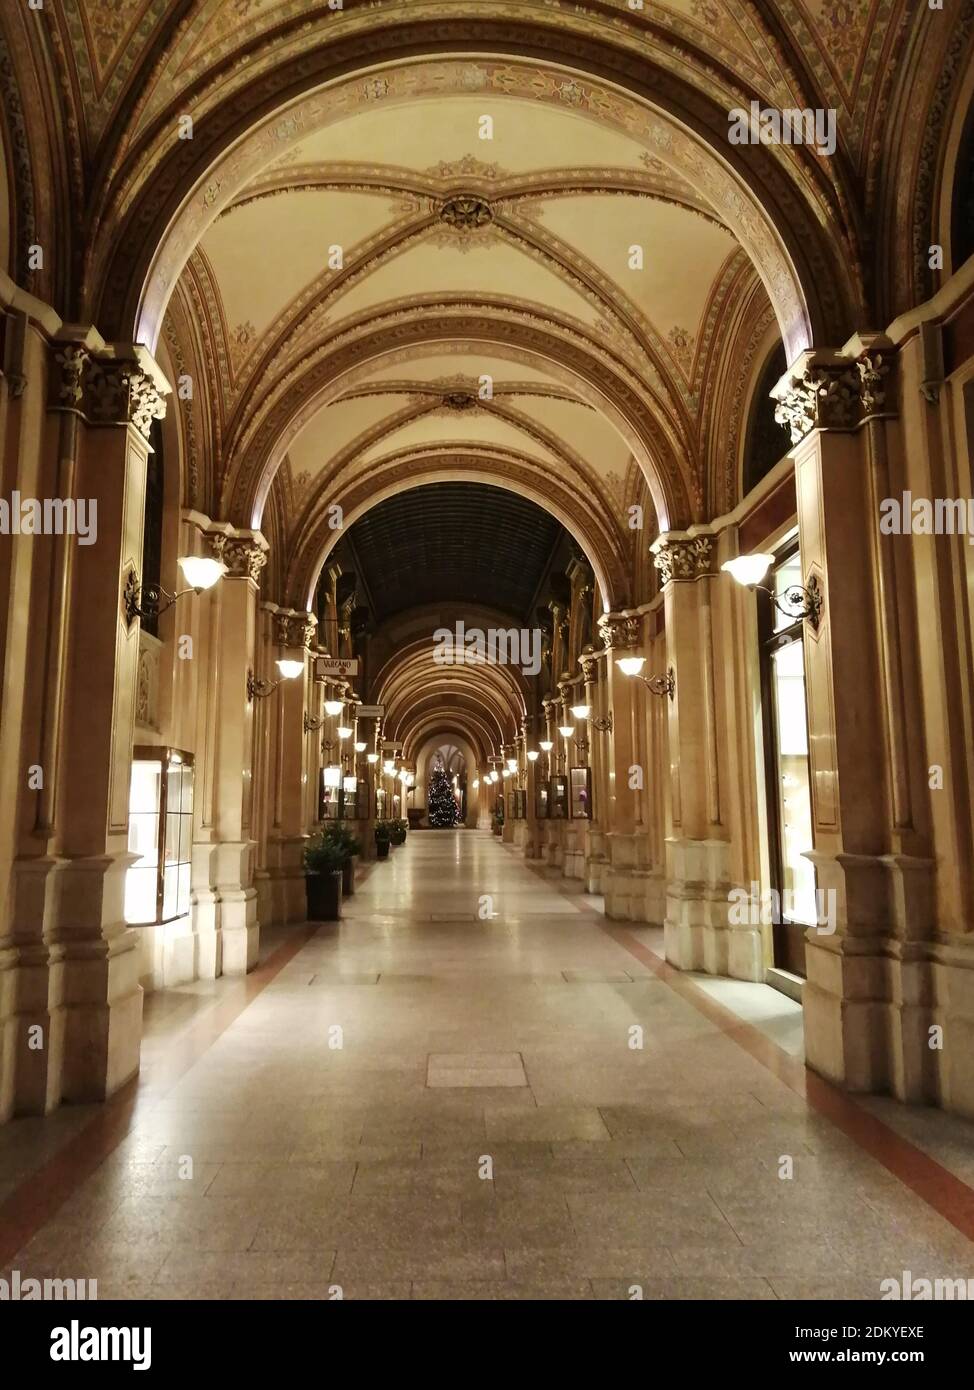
column 371, row 757
column 659, row 685
column 604, row 726
column 532, row 755
column 312, row 722
column 146, row 600
column 546, row 745
column 334, row 707
column 795, row 601
column 259, row 689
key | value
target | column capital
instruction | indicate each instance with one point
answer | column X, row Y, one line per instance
column 589, row 662
column 836, row 390
column 293, row 628
column 108, row 385
column 683, row 557
column 244, row 556
column 620, row 630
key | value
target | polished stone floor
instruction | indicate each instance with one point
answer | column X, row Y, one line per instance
column 476, row 1087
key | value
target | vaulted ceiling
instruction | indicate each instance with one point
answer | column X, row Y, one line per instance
column 453, row 542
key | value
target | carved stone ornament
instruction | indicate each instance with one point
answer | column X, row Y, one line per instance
column 684, row 559
column 294, row 629
column 106, row 391
column 619, row 630
column 466, row 212
column 243, row 558
column 590, row 668
column 459, row 400
column 837, row 394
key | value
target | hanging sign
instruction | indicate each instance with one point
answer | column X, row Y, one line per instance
column 332, row 667
column 370, row 711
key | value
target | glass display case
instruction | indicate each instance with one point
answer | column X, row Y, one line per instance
column 559, row 798
column 580, row 781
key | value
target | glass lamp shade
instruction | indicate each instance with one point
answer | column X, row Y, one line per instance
column 566, row 730
column 580, row 711
column 360, row 747
column 333, row 707
column 389, row 767
column 343, row 732
column 201, row 572
column 749, row 569
column 546, row 745
column 289, row 668
column 371, row 757
column 506, row 772
column 533, row 755
column 512, row 764
column 476, row 783
column 631, row 665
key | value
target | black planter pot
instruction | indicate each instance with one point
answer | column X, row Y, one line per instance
column 324, row 896
column 348, row 878
column 382, row 849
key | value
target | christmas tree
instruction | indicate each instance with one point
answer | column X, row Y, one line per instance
column 441, row 804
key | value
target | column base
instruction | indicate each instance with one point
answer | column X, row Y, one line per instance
column 240, row 930
column 632, row 887
column 573, row 852
column 698, row 932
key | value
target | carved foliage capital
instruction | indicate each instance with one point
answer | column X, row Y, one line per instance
column 243, row 557
column 294, row 629
column 619, row 630
column 684, row 559
column 106, row 391
column 835, row 394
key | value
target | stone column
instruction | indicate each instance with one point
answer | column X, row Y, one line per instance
column 285, row 711
column 591, row 663
column 626, row 850
column 867, row 999
column 232, row 861
column 95, row 996
column 698, row 930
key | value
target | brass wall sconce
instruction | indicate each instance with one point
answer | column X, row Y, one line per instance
column 659, row 685
column 259, row 689
column 149, row 600
column 796, row 601
column 312, row 722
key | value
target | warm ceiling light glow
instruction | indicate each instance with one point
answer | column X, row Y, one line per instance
column 631, row 665
column 333, row 707
column 389, row 767
column 344, row 731
column 580, row 711
column 476, row 783
column 566, row 730
column 506, row 772
column 749, row 569
column 201, row 572
column 532, row 755
column 546, row 745
column 512, row 764
column 493, row 777
column 289, row 668
column 360, row 747
column 332, row 776
column 371, row 757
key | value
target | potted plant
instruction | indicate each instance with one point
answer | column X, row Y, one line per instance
column 382, row 839
column 341, row 835
column 323, row 861
column 397, row 832
column 497, row 822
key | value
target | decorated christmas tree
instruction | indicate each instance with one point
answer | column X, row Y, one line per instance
column 441, row 804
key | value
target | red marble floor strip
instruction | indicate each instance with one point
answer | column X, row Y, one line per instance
column 35, row 1201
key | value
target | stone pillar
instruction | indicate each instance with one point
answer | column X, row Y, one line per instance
column 284, row 715
column 699, row 933
column 232, row 862
column 95, row 996
column 867, row 1000
column 626, row 849
column 591, row 663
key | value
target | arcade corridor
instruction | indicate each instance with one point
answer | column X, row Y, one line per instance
column 465, row 1039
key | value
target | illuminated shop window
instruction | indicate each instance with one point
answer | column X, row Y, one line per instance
column 157, row 884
